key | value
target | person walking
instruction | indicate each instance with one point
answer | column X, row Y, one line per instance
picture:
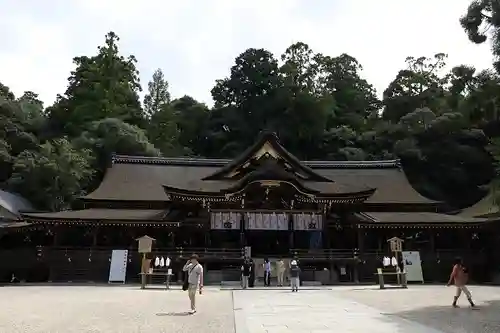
column 294, row 275
column 280, row 271
column 194, row 280
column 246, row 269
column 267, row 272
column 251, row 282
column 459, row 277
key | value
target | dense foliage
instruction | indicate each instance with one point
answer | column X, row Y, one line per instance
column 443, row 125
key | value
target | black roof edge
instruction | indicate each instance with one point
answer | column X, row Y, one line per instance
column 215, row 162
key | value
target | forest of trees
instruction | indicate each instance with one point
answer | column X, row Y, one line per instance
column 443, row 125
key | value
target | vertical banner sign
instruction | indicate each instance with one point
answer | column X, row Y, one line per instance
column 118, row 266
column 225, row 220
column 413, row 266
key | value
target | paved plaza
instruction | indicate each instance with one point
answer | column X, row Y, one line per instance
column 127, row 309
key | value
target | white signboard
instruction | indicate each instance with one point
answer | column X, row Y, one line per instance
column 118, row 266
column 413, row 266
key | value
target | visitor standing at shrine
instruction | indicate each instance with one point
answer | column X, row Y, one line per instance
column 459, row 277
column 246, row 269
column 280, row 271
column 251, row 281
column 294, row 275
column 194, row 280
column 267, row 272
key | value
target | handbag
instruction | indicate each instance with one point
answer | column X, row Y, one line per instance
column 185, row 284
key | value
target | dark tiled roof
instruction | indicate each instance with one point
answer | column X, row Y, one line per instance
column 13, row 205
column 141, row 178
column 13, row 224
column 100, row 214
column 485, row 207
column 415, row 218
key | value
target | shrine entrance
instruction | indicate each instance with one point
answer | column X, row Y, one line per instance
column 268, row 243
column 275, row 234
column 267, row 233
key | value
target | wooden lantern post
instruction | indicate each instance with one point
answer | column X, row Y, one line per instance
column 145, row 246
column 396, row 245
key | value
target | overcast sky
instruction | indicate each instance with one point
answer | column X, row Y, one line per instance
column 195, row 42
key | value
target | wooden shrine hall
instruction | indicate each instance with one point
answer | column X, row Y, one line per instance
column 334, row 216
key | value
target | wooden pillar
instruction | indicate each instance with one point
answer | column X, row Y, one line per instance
column 95, row 236
column 360, row 239
column 208, row 228
column 466, row 236
column 291, row 233
column 326, row 234
column 208, row 242
column 243, row 242
column 53, row 253
column 432, row 240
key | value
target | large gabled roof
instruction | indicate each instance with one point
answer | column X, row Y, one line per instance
column 267, row 144
column 136, row 178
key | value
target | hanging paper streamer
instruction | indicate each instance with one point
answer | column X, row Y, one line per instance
column 225, row 220
column 266, row 221
column 305, row 221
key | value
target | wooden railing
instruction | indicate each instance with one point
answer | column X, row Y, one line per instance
column 203, row 253
column 319, row 254
column 92, row 264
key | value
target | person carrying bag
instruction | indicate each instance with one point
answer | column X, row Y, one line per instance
column 193, row 280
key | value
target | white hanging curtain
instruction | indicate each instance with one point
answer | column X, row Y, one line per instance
column 266, row 221
column 225, row 220
column 307, row 221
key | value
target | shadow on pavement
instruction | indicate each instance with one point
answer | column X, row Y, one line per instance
column 484, row 319
column 174, row 314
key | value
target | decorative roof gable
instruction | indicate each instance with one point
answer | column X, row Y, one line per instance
column 265, row 152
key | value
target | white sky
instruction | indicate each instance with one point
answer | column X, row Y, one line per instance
column 195, row 42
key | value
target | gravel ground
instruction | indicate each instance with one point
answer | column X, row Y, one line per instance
column 111, row 309
column 430, row 305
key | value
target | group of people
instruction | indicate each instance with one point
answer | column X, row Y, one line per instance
column 194, row 278
column 248, row 273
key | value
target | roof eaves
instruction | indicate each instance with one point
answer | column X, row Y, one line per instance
column 193, row 161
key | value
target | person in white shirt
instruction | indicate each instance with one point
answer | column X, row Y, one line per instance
column 267, row 272
column 194, row 278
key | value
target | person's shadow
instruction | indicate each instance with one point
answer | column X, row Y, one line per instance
column 173, row 314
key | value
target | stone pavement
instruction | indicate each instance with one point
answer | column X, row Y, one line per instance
column 430, row 305
column 312, row 312
column 111, row 309
column 126, row 309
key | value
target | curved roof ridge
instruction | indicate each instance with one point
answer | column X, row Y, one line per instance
column 200, row 161
column 14, row 203
column 484, row 207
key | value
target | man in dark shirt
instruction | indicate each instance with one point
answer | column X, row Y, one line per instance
column 251, row 281
column 246, row 269
column 294, row 275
